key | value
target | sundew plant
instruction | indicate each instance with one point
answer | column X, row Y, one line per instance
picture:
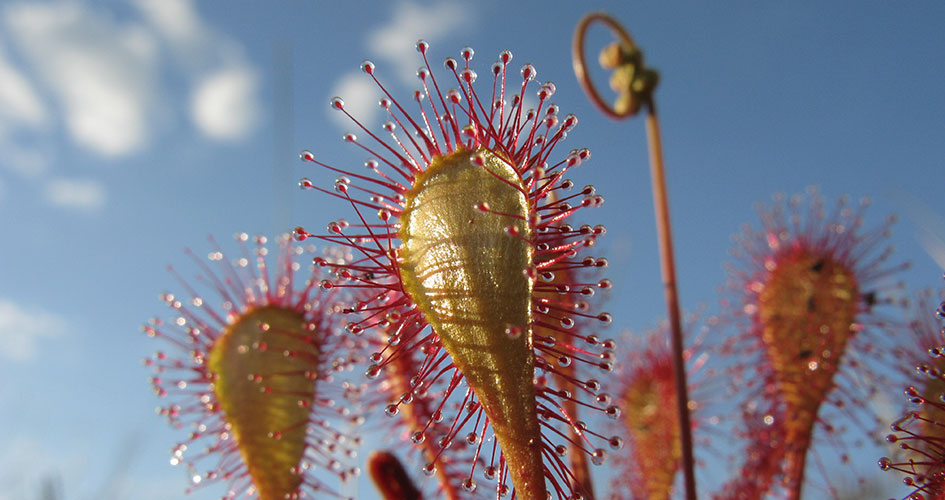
column 461, row 299
column 431, row 250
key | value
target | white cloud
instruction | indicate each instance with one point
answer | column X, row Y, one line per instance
column 222, row 106
column 396, row 41
column 361, row 97
column 21, row 330
column 100, row 71
column 393, row 47
column 22, row 115
column 177, row 21
column 19, row 103
column 75, row 68
column 224, row 103
column 82, row 194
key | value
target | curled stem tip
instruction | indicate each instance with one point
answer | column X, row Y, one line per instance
column 633, row 82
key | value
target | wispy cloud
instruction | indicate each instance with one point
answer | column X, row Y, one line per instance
column 361, row 98
column 393, row 47
column 22, row 113
column 100, row 71
column 77, row 69
column 224, row 102
column 395, row 42
column 178, row 22
column 22, row 328
column 221, row 105
column 19, row 103
column 104, row 72
column 82, row 194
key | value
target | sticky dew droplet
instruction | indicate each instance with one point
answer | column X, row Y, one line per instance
column 612, row 412
column 615, row 442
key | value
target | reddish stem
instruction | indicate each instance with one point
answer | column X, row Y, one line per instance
column 661, row 206
column 668, row 268
column 796, row 462
column 796, row 480
column 578, row 457
column 417, row 420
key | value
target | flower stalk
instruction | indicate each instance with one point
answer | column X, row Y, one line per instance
column 634, row 84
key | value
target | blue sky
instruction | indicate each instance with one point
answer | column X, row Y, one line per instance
column 129, row 131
